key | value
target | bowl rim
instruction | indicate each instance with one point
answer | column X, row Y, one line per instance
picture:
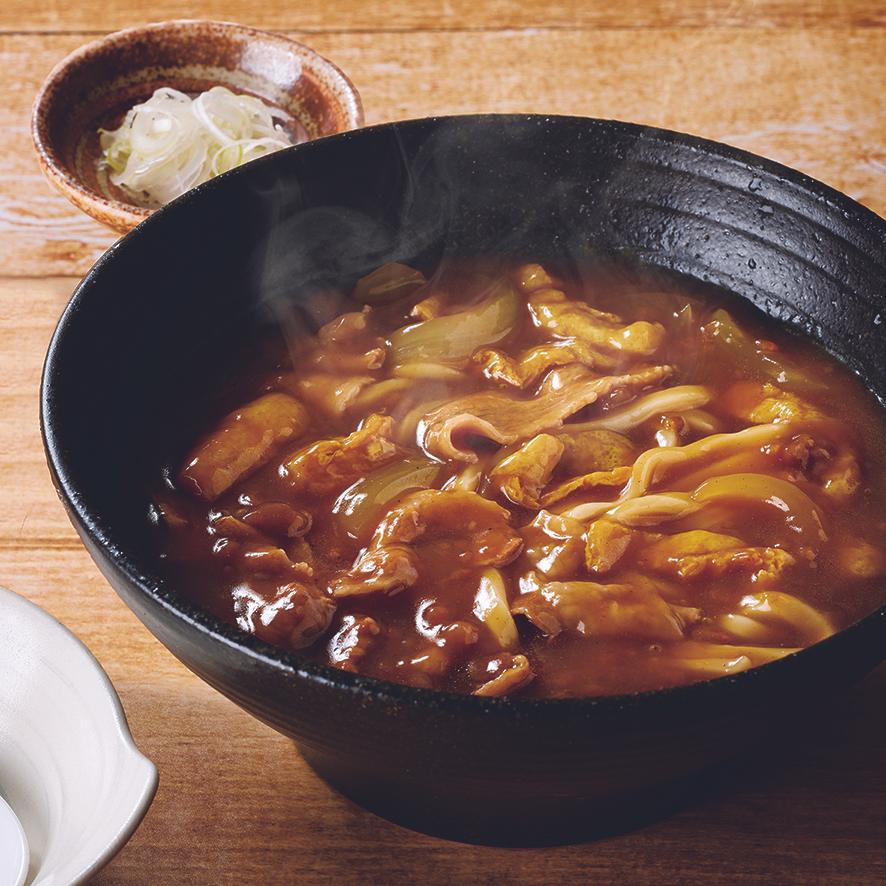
column 294, row 665
column 129, row 214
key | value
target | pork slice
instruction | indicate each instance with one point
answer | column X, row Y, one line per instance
column 503, row 418
column 390, row 562
column 634, row 610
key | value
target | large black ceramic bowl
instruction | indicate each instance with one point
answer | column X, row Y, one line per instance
column 148, row 336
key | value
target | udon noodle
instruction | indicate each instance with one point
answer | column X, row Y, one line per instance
column 508, row 482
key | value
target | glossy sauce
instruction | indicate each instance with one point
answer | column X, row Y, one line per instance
column 670, row 611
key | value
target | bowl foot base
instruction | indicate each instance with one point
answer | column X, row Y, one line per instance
column 541, row 822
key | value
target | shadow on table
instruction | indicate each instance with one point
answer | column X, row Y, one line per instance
column 808, row 807
column 808, row 741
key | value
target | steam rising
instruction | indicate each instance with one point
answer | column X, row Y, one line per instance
column 459, row 193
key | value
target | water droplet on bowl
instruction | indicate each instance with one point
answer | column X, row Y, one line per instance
column 752, row 264
column 755, row 184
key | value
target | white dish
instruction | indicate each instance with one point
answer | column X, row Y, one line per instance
column 14, row 854
column 68, row 765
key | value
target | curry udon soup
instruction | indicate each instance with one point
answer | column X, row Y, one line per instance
column 515, row 483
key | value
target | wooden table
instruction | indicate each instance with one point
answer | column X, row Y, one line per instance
column 803, row 83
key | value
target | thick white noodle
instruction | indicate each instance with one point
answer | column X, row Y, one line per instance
column 676, row 399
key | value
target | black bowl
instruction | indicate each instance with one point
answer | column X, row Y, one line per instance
column 148, row 334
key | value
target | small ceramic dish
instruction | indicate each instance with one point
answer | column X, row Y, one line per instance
column 68, row 766
column 14, row 853
column 94, row 87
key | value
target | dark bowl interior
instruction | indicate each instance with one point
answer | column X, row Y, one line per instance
column 148, row 335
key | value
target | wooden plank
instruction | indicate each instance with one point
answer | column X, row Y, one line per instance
column 28, row 311
column 349, row 15
column 772, row 92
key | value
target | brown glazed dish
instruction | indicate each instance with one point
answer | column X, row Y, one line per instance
column 143, row 345
column 94, row 87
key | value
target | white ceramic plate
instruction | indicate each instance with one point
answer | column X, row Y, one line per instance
column 14, row 856
column 68, row 766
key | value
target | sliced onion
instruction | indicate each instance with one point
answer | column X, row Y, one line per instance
column 171, row 143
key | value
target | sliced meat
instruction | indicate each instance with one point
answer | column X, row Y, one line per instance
column 532, row 277
column 553, row 544
column 615, row 478
column 763, row 402
column 833, row 467
column 277, row 519
column 453, row 513
column 295, row 617
column 522, row 475
column 390, row 563
column 860, row 559
column 387, row 569
column 604, row 610
column 840, row 476
column 511, row 673
column 448, row 643
column 447, row 431
column 267, row 560
column 352, row 642
column 607, row 542
column 701, row 554
column 600, row 450
column 242, row 442
column 429, row 665
column 237, row 539
column 347, row 345
column 567, row 318
column 828, row 461
column 226, row 525
column 299, row 552
column 797, row 454
column 169, row 513
column 331, row 465
column 525, row 370
column 434, row 622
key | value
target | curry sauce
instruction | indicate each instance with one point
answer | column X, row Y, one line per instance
column 504, row 481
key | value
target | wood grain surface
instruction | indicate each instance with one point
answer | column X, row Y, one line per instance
column 436, row 15
column 803, row 83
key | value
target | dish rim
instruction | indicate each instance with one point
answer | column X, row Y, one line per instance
column 290, row 663
column 19, row 832
column 121, row 729
column 130, row 214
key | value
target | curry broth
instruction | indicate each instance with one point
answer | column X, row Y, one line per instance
column 722, row 583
